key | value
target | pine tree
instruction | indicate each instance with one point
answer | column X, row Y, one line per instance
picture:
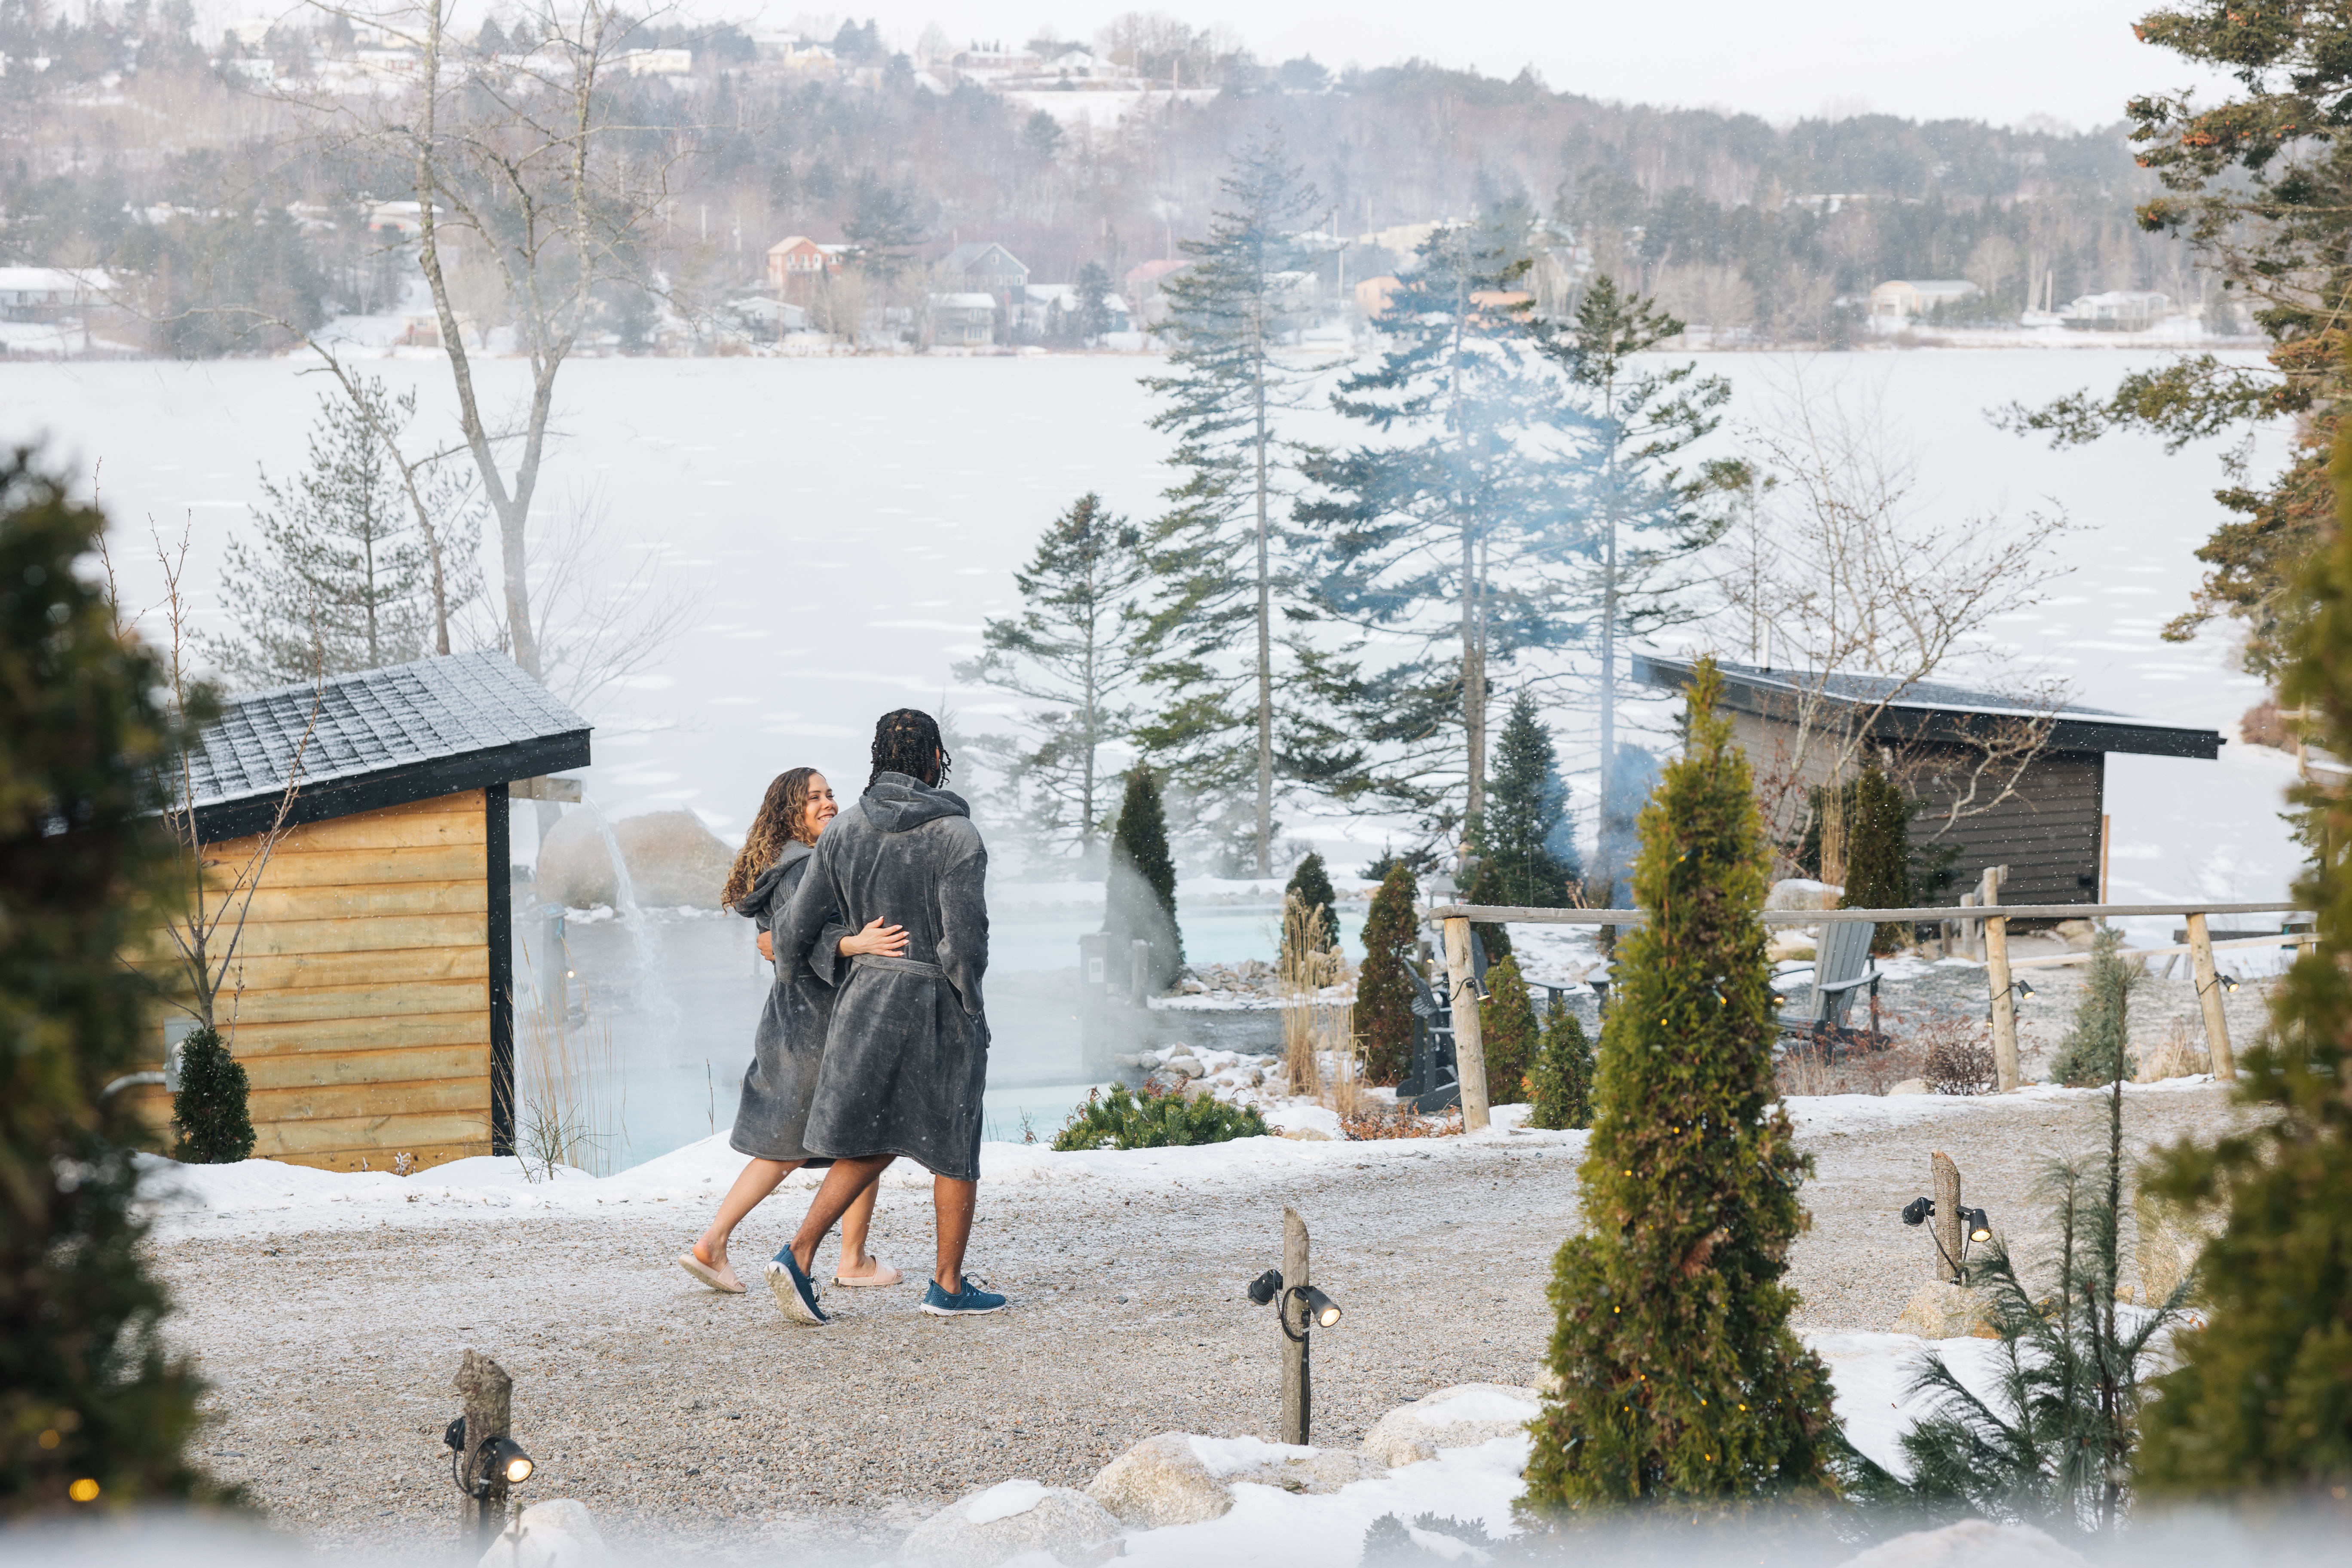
column 89, row 1395
column 1310, row 884
column 1638, row 413
column 1507, row 1033
column 1238, row 687
column 1877, row 852
column 1681, row 1382
column 1527, row 858
column 209, row 1112
column 1073, row 647
column 1559, row 1088
column 1092, row 291
column 2262, row 1402
column 1141, row 891
column 1451, row 533
column 1384, row 985
column 2102, row 1025
column 361, row 560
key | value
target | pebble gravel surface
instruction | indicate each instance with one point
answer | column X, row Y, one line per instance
column 677, row 1414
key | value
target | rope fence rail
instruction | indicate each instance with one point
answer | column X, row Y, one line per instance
column 1994, row 918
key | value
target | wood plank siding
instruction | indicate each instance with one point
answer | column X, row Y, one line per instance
column 365, row 1023
column 2047, row 834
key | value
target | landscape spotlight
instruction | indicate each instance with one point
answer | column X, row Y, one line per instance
column 1261, row 1288
column 1980, row 1227
column 1916, row 1211
column 1309, row 1308
column 1321, row 1309
column 2229, row 982
column 502, row 1460
column 509, row 1461
column 2023, row 989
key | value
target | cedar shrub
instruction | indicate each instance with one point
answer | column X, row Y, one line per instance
column 1383, row 986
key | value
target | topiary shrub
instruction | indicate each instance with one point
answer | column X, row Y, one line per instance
column 1559, row 1085
column 2101, row 1018
column 1122, row 1120
column 1877, row 853
column 209, row 1112
column 1680, row 1380
column 1384, row 985
column 1507, row 1032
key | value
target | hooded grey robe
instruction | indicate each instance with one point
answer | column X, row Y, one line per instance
column 906, row 1057
column 772, row 1120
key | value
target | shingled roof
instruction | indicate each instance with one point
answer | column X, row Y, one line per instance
column 1933, row 710
column 383, row 737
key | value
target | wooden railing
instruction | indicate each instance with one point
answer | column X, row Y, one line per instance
column 1471, row 1054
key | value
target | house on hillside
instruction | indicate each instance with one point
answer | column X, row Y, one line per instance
column 2116, row 311
column 1901, row 299
column 980, row 268
column 376, row 964
column 799, row 266
column 2047, row 832
column 966, row 321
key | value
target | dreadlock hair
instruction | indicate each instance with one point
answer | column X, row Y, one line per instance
column 907, row 741
column 784, row 817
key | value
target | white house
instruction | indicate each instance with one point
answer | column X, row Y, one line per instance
column 2116, row 311
column 963, row 319
column 1900, row 296
column 49, row 293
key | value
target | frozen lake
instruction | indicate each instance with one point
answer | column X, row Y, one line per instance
column 846, row 524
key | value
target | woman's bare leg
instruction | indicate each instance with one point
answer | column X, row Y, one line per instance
column 760, row 1178
column 856, row 1220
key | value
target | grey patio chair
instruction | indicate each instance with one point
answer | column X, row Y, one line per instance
column 1840, row 967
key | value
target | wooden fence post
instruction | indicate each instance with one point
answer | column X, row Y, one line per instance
column 489, row 1393
column 1469, row 1052
column 1947, row 1218
column 1298, row 1376
column 2209, row 995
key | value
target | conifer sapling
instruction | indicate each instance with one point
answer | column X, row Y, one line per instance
column 1141, row 902
column 1507, row 1033
column 1383, row 986
column 210, row 1112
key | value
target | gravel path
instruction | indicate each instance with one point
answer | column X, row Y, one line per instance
column 670, row 1410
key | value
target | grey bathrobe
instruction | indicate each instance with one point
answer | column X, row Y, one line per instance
column 906, row 1057
column 772, row 1118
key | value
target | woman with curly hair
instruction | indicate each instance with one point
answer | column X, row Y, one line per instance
column 771, row 1121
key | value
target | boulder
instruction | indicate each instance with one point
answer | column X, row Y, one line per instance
column 1178, row 1478
column 1912, row 1086
column 1461, row 1416
column 553, row 1535
column 672, row 859
column 1798, row 893
column 1971, row 1544
column 1940, row 1310
column 1014, row 1519
column 1188, row 1065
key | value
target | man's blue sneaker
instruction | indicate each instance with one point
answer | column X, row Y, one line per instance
column 969, row 1302
column 795, row 1292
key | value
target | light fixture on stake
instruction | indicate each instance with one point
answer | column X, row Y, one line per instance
column 503, row 1460
column 1975, row 1228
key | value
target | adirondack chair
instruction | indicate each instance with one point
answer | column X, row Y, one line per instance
column 1840, row 967
column 1435, row 1081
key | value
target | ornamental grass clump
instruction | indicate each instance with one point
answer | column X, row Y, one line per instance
column 1681, row 1384
column 1122, row 1120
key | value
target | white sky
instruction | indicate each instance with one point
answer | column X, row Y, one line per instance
column 2002, row 60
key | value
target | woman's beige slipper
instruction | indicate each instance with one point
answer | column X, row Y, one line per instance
column 883, row 1275
column 708, row 1274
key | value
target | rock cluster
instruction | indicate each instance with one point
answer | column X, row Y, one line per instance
column 1250, row 977
column 1185, row 1069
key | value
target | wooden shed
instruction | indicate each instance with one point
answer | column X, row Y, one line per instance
column 2047, row 832
column 373, row 991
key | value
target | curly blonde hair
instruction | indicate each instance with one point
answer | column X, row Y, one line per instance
column 784, row 817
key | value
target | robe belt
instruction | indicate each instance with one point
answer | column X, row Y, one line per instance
column 912, row 965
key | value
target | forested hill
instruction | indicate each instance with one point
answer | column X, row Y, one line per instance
column 141, row 152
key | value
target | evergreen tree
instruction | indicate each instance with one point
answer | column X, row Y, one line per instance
column 360, row 559
column 1637, row 414
column 1310, row 884
column 1384, row 984
column 1877, row 852
column 1521, row 833
column 2102, row 1025
column 1141, row 891
column 1092, row 290
column 2262, row 1401
column 1451, row 534
column 1507, row 1033
column 1074, row 645
column 1681, row 1382
column 1238, row 714
column 1559, row 1088
column 89, row 1395
column 209, row 1111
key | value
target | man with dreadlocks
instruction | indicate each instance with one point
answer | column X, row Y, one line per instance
column 905, row 1053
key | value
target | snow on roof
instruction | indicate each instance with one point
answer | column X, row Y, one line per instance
column 431, row 727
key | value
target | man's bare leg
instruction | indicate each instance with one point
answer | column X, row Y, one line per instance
column 952, row 1203
column 843, row 1185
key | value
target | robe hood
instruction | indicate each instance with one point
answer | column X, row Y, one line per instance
column 895, row 803
column 763, row 887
